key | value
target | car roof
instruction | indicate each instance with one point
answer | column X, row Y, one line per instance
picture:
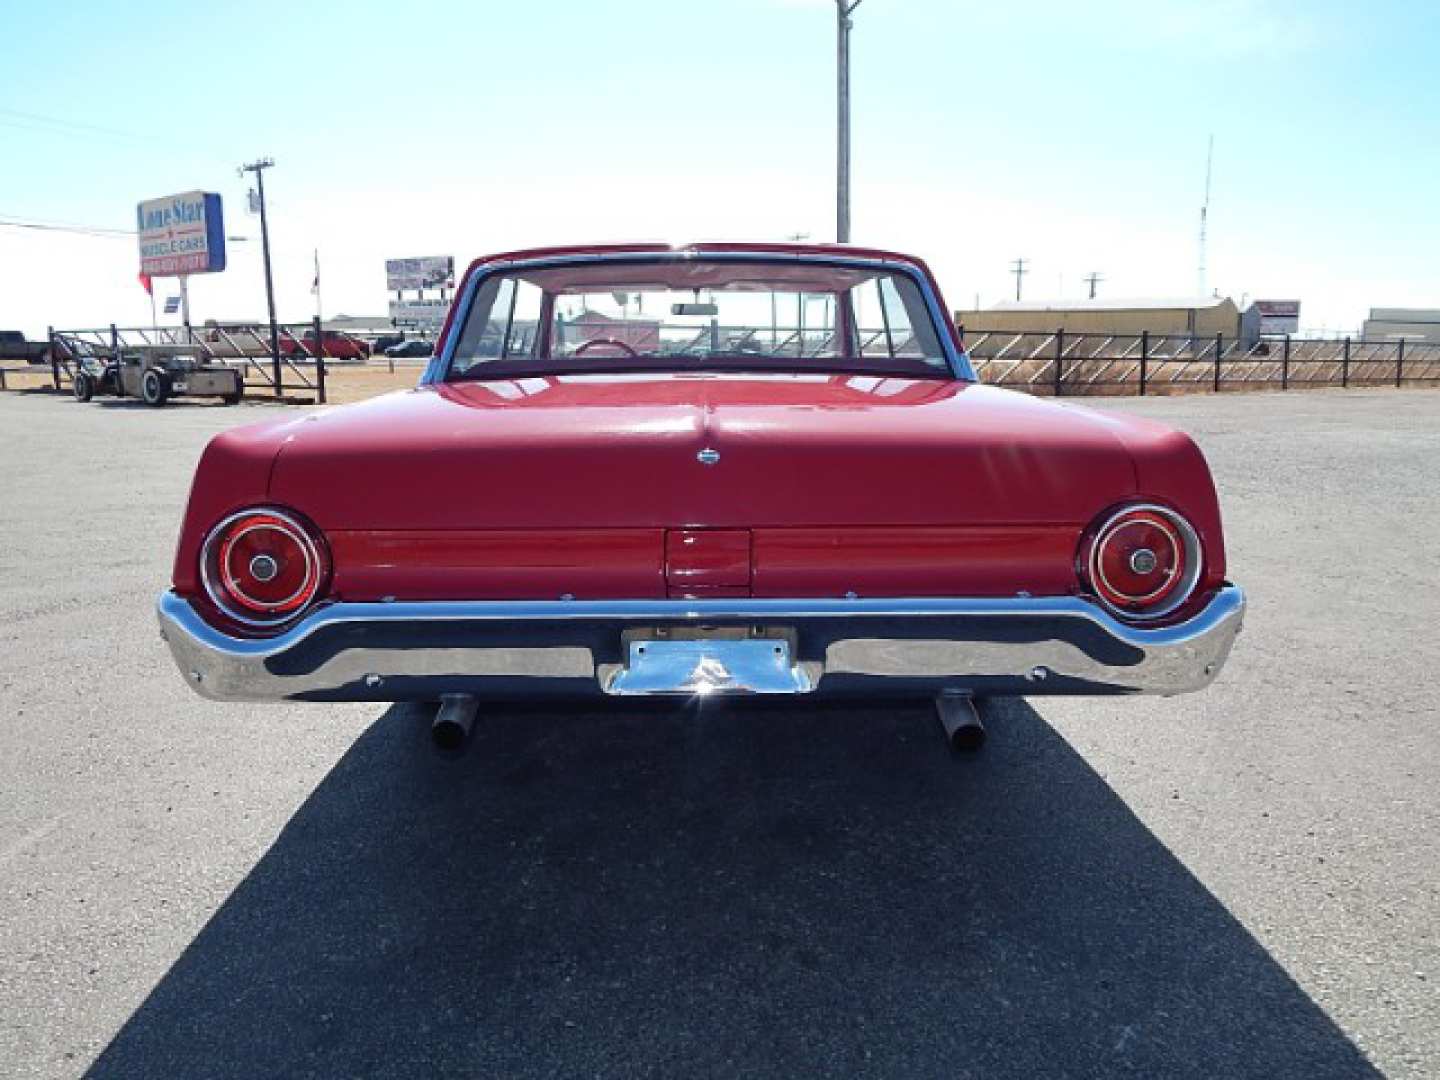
column 703, row 247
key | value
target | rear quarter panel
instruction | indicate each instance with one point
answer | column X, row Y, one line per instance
column 233, row 473
column 1171, row 470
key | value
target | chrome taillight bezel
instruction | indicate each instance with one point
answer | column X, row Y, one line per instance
column 1171, row 598
column 227, row 597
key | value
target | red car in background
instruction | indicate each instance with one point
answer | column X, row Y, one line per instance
column 334, row 344
column 789, row 483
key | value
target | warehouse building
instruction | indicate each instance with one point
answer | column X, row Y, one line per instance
column 1197, row 316
column 1403, row 324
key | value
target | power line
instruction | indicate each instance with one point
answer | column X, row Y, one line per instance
column 16, row 222
column 103, row 232
column 96, row 129
column 41, row 124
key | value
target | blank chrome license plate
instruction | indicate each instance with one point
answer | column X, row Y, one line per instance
column 709, row 666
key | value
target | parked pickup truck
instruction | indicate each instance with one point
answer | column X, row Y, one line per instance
column 13, row 346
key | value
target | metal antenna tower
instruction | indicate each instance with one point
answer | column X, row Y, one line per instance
column 1205, row 217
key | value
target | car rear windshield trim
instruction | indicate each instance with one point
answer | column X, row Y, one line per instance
column 689, row 312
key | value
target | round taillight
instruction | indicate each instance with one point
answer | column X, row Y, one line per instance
column 1142, row 561
column 263, row 566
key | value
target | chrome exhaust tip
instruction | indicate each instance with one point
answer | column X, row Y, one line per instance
column 454, row 722
column 964, row 732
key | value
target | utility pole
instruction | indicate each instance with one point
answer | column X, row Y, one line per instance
column 1018, row 269
column 258, row 168
column 1093, row 279
column 843, row 10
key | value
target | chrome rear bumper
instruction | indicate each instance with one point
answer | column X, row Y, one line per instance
column 505, row 649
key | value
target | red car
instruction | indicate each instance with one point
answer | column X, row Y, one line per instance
column 774, row 474
column 335, row 345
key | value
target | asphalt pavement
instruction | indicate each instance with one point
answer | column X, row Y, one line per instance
column 1239, row 883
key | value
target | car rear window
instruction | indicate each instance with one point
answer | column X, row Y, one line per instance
column 698, row 314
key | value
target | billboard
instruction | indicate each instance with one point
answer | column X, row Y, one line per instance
column 181, row 234
column 429, row 272
column 419, row 314
column 1278, row 317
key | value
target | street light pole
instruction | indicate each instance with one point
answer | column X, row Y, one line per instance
column 258, row 168
column 843, row 11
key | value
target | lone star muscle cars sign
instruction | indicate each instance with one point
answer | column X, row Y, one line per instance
column 181, row 234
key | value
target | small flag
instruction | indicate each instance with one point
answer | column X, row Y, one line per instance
column 172, row 305
column 145, row 283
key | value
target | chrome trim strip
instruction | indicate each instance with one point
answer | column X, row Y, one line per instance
column 959, row 361
column 395, row 651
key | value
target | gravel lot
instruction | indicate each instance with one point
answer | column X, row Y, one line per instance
column 1243, row 882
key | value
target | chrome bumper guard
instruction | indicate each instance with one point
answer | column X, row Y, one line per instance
column 514, row 649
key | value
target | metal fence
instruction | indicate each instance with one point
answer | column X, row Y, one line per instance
column 296, row 368
column 1056, row 362
column 1047, row 362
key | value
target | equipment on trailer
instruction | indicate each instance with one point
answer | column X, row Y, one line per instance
column 220, row 360
column 155, row 374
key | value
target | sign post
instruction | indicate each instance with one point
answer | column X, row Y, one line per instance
column 181, row 235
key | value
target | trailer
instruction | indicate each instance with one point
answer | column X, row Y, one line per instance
column 155, row 363
column 155, row 374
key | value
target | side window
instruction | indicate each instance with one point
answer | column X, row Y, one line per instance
column 503, row 324
column 894, row 322
column 901, row 336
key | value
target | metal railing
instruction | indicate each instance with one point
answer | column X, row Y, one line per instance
column 297, row 369
column 1060, row 362
column 1050, row 362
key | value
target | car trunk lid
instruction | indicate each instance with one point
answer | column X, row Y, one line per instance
column 729, row 483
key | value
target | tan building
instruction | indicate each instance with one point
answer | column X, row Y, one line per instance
column 1407, row 324
column 1201, row 316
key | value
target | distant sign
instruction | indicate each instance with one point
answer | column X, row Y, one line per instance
column 172, row 305
column 419, row 314
column 181, row 234
column 430, row 272
column 1278, row 317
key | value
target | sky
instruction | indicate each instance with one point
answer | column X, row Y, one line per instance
column 1072, row 135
